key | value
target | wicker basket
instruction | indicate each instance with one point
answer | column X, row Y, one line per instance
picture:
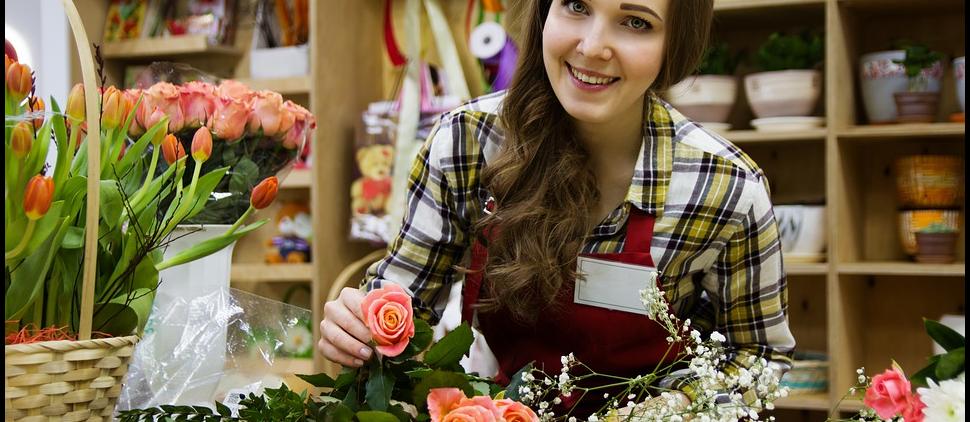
column 929, row 181
column 72, row 380
column 69, row 380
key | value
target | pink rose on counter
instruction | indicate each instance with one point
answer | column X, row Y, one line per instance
column 388, row 314
column 162, row 99
column 513, row 411
column 229, row 88
column 198, row 102
column 228, row 122
column 302, row 128
column 267, row 113
column 890, row 393
column 914, row 409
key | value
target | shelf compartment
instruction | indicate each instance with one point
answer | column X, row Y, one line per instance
column 742, row 137
column 909, row 130
column 165, row 47
column 808, row 401
column 755, row 13
column 803, row 268
column 298, row 85
column 253, row 273
column 897, row 268
column 298, row 179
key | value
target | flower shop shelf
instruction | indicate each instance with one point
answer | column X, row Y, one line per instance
column 800, row 268
column 298, row 179
column 299, row 85
column 808, row 401
column 754, row 136
column 892, row 268
column 909, row 130
column 165, row 47
column 253, row 273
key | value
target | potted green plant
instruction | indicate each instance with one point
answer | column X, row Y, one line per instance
column 936, row 244
column 790, row 82
column 918, row 103
column 709, row 95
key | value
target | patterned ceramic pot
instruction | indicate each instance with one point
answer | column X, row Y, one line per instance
column 881, row 78
column 802, row 231
column 705, row 98
column 913, row 221
column 958, row 77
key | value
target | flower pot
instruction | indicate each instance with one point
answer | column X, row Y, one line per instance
column 802, row 232
column 912, row 221
column 916, row 107
column 935, row 248
column 783, row 92
column 705, row 98
column 881, row 78
column 958, row 77
column 929, row 181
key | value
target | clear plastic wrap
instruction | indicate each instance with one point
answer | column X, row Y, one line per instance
column 202, row 349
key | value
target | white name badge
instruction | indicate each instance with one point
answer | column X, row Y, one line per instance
column 612, row 285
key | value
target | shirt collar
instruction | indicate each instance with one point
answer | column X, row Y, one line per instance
column 651, row 177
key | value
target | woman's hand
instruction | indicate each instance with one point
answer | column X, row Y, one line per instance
column 344, row 338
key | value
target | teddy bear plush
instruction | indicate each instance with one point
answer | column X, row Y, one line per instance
column 370, row 192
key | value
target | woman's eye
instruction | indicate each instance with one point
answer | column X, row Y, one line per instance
column 576, row 7
column 639, row 24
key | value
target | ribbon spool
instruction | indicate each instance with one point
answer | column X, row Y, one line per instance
column 490, row 43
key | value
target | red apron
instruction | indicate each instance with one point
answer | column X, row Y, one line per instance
column 608, row 341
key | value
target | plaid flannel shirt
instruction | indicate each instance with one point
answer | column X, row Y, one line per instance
column 715, row 240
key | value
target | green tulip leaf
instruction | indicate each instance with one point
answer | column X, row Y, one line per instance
column 204, row 188
column 140, row 301
column 27, row 278
column 38, row 150
column 951, row 364
column 208, row 246
column 111, row 204
column 113, row 318
column 74, row 239
column 136, row 150
column 63, row 151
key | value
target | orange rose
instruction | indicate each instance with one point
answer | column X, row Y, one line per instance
column 387, row 312
column 513, row 411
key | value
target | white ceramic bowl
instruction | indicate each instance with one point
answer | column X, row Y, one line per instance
column 802, row 230
column 783, row 92
column 704, row 98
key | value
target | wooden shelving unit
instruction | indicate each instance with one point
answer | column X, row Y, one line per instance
column 297, row 85
column 903, row 269
column 741, row 137
column 298, row 179
column 166, row 47
column 268, row 273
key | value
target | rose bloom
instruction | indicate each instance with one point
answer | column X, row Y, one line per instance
column 198, row 102
column 388, row 314
column 162, row 99
column 889, row 394
column 451, row 405
column 513, row 411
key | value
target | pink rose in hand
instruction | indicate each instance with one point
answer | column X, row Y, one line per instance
column 890, row 393
column 513, row 411
column 388, row 314
column 267, row 109
column 198, row 101
column 228, row 122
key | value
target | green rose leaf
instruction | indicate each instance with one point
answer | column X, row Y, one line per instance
column 423, row 335
column 380, row 384
column 512, row 391
column 943, row 335
column 116, row 319
column 951, row 364
column 376, row 416
column 320, row 380
column 919, row 378
column 449, row 350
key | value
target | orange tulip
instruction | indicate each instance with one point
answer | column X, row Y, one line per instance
column 265, row 193
column 112, row 108
column 36, row 106
column 75, row 103
column 201, row 144
column 19, row 81
column 21, row 139
column 38, row 196
column 172, row 149
column 7, row 61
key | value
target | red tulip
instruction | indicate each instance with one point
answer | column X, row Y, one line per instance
column 38, row 196
column 21, row 139
column 201, row 144
column 172, row 149
column 265, row 193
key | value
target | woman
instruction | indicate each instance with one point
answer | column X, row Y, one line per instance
column 580, row 159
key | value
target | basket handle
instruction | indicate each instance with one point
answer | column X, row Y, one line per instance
column 91, row 100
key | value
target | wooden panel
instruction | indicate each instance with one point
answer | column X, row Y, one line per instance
column 298, row 179
column 792, row 184
column 904, row 269
column 909, row 130
column 285, row 86
column 243, row 272
column 807, row 312
column 742, row 137
column 846, row 328
column 813, row 401
column 172, row 47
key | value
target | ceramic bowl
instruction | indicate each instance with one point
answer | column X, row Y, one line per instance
column 803, row 232
column 705, row 98
column 783, row 92
column 912, row 221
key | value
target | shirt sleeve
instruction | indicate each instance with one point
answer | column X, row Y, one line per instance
column 748, row 290
column 434, row 232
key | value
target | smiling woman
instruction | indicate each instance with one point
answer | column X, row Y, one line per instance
column 576, row 187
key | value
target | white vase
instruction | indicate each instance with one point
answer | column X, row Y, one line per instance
column 187, row 325
column 783, row 92
column 705, row 98
column 881, row 78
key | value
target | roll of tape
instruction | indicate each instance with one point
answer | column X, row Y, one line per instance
column 487, row 40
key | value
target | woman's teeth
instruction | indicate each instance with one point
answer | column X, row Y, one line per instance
column 592, row 80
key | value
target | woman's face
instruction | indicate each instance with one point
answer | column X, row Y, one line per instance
column 601, row 56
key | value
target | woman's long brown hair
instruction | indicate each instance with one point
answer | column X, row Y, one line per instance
column 543, row 187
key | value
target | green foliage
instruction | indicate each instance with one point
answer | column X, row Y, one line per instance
column 946, row 365
column 783, row 52
column 718, row 60
column 918, row 57
column 372, row 393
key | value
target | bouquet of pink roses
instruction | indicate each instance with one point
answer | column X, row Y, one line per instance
column 255, row 133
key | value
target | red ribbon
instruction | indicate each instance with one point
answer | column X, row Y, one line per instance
column 393, row 53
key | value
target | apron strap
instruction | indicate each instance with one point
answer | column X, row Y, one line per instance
column 639, row 231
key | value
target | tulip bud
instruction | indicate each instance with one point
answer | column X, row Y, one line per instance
column 21, row 139
column 264, row 193
column 75, row 103
column 37, row 107
column 172, row 149
column 112, row 109
column 7, row 61
column 19, row 81
column 38, row 196
column 202, row 144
